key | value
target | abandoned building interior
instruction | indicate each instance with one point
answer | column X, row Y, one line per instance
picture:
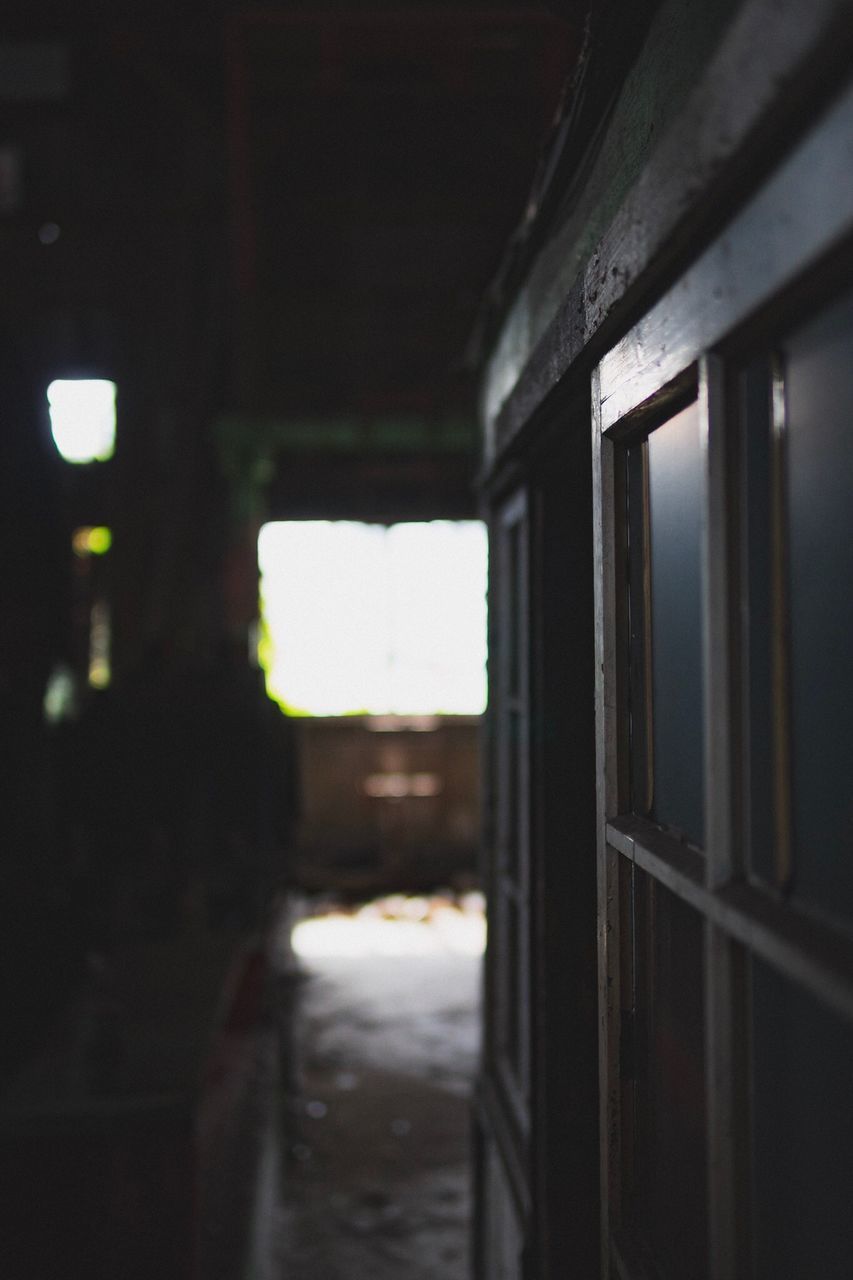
column 505, row 354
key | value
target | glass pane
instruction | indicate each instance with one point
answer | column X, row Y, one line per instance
column 511, row 699
column 757, row 618
column 638, row 628
column 511, row 1029
column 515, row 614
column 510, row 843
column 675, row 519
column 668, row 1198
column 819, row 390
column 803, row 1135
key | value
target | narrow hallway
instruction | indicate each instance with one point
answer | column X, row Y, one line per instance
column 377, row 1177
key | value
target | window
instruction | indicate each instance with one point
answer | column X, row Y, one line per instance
column 659, row 500
column 814, row 396
column 723, row 465
column 664, row 490
column 372, row 619
column 726, row 749
column 795, row 401
column 510, row 905
column 538, row 1096
column 665, row 1182
column 83, row 418
column 802, row 1132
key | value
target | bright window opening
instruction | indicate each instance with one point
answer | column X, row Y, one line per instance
column 374, row 620
column 83, row 418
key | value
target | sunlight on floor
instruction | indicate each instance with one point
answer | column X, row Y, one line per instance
column 386, row 1049
column 396, row 926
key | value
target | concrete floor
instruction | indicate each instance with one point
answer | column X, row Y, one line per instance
column 319, row 1130
column 135, row 1142
column 377, row 1161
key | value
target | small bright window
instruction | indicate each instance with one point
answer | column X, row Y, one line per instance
column 83, row 418
column 369, row 619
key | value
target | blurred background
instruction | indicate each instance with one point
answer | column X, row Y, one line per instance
column 244, row 255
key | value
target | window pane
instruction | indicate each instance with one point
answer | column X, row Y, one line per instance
column 639, row 625
column 514, row 615
column 511, row 996
column 757, row 618
column 511, row 699
column 668, row 1198
column 803, row 1134
column 510, row 784
column 675, row 519
column 819, row 390
column 509, row 943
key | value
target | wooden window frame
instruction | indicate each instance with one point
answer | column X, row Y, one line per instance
column 511, row 890
column 694, row 342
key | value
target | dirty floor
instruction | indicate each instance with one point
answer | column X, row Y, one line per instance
column 377, row 1160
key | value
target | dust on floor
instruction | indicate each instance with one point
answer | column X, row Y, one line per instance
column 377, row 1177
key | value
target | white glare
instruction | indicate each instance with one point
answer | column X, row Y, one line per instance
column 367, row 619
column 369, row 933
column 83, row 418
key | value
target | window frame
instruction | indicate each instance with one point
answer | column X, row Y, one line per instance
column 696, row 340
column 510, row 878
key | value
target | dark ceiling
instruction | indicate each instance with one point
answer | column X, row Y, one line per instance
column 279, row 221
column 369, row 164
column 378, row 163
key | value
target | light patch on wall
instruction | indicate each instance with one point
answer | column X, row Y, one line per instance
column 83, row 418
column 395, row 724
column 374, row 620
column 394, row 786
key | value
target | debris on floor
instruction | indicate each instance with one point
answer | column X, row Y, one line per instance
column 377, row 1178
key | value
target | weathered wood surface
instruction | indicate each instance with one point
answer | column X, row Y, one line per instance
column 761, row 84
column 804, row 210
column 796, row 944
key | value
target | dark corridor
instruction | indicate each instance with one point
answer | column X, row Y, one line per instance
column 269, row 232
column 574, row 275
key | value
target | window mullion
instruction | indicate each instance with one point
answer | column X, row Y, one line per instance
column 723, row 974
column 612, row 794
